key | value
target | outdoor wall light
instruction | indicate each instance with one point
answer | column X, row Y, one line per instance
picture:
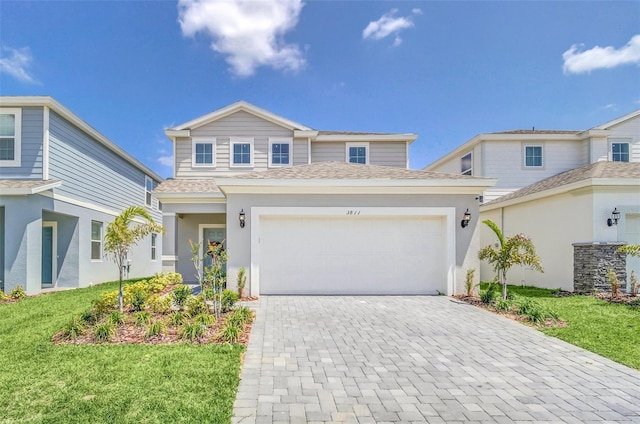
column 241, row 217
column 466, row 218
column 615, row 217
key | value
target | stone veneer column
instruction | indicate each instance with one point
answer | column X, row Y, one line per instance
column 592, row 261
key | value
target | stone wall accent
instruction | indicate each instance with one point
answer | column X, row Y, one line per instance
column 592, row 261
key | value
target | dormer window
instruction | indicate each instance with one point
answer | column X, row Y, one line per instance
column 358, row 153
column 242, row 152
column 10, row 136
column 466, row 164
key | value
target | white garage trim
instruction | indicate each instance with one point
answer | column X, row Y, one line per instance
column 448, row 213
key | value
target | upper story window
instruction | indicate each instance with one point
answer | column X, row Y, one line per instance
column 358, row 153
column 533, row 157
column 241, row 152
column 620, row 152
column 203, row 152
column 96, row 240
column 148, row 187
column 466, row 164
column 280, row 152
column 10, row 136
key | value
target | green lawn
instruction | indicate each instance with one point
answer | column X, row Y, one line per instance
column 45, row 383
column 610, row 330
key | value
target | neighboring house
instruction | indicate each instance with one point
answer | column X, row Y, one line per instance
column 315, row 212
column 61, row 183
column 560, row 188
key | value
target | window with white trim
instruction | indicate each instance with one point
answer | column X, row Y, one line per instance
column 620, row 151
column 10, row 136
column 466, row 164
column 358, row 153
column 241, row 152
column 154, row 237
column 96, row 240
column 203, row 152
column 280, row 150
column 148, row 188
column 533, row 156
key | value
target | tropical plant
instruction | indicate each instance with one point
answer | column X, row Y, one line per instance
column 74, row 328
column 468, row 282
column 155, row 328
column 181, row 293
column 204, row 319
column 192, row 331
column 614, row 283
column 510, row 251
column 503, row 305
column 228, row 299
column 177, row 318
column 104, row 332
column 17, row 293
column 489, row 295
column 117, row 318
column 231, row 333
column 142, row 318
column 121, row 236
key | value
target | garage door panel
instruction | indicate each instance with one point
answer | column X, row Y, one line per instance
column 353, row 255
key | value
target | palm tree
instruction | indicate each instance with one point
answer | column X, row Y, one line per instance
column 515, row 250
column 120, row 237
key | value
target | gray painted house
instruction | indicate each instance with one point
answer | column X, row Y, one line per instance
column 315, row 212
column 61, row 183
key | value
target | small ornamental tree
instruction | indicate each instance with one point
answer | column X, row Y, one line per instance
column 515, row 250
column 121, row 236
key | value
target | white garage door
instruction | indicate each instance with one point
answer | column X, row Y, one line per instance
column 352, row 255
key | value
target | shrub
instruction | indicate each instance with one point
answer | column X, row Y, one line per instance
column 117, row 318
column 614, row 283
column 230, row 333
column 205, row 319
column 503, row 305
column 107, row 302
column 468, row 282
column 158, row 304
column 18, row 293
column 634, row 287
column 177, row 318
column 181, row 293
column 526, row 305
column 3, row 296
column 90, row 316
column 192, row 331
column 155, row 328
column 228, row 300
column 196, row 305
column 74, row 328
column 174, row 278
column 245, row 313
column 139, row 293
column 241, row 280
column 104, row 332
column 142, row 318
column 489, row 295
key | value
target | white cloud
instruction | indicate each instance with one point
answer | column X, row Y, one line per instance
column 389, row 24
column 16, row 62
column 165, row 160
column 577, row 61
column 248, row 33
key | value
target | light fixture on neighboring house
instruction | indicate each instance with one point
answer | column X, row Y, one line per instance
column 615, row 217
column 241, row 217
column 466, row 218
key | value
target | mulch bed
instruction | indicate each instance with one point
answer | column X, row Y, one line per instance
column 623, row 298
column 475, row 301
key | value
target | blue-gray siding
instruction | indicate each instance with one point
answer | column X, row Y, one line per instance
column 31, row 166
column 92, row 173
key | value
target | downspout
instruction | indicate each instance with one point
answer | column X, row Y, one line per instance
column 308, row 150
column 45, row 143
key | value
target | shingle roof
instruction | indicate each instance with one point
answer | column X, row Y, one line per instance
column 10, row 186
column 603, row 169
column 351, row 133
column 207, row 185
column 349, row 171
column 537, row 132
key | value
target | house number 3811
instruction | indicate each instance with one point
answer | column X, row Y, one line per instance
column 353, row 212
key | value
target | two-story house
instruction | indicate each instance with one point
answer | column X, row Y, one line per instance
column 315, row 212
column 61, row 183
column 565, row 189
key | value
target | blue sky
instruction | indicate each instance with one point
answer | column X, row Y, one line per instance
column 444, row 70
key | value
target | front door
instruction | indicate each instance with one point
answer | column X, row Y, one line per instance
column 212, row 234
column 49, row 254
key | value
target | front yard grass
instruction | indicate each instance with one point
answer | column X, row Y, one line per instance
column 608, row 329
column 45, row 383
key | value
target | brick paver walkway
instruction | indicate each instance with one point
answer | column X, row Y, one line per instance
column 419, row 359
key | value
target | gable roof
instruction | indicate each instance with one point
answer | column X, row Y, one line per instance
column 26, row 187
column 617, row 121
column 623, row 173
column 237, row 107
column 50, row 102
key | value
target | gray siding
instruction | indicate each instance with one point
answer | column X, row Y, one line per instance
column 239, row 124
column 629, row 130
column 92, row 173
column 32, row 122
column 300, row 151
column 380, row 153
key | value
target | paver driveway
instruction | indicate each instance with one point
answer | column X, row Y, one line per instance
column 419, row 359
